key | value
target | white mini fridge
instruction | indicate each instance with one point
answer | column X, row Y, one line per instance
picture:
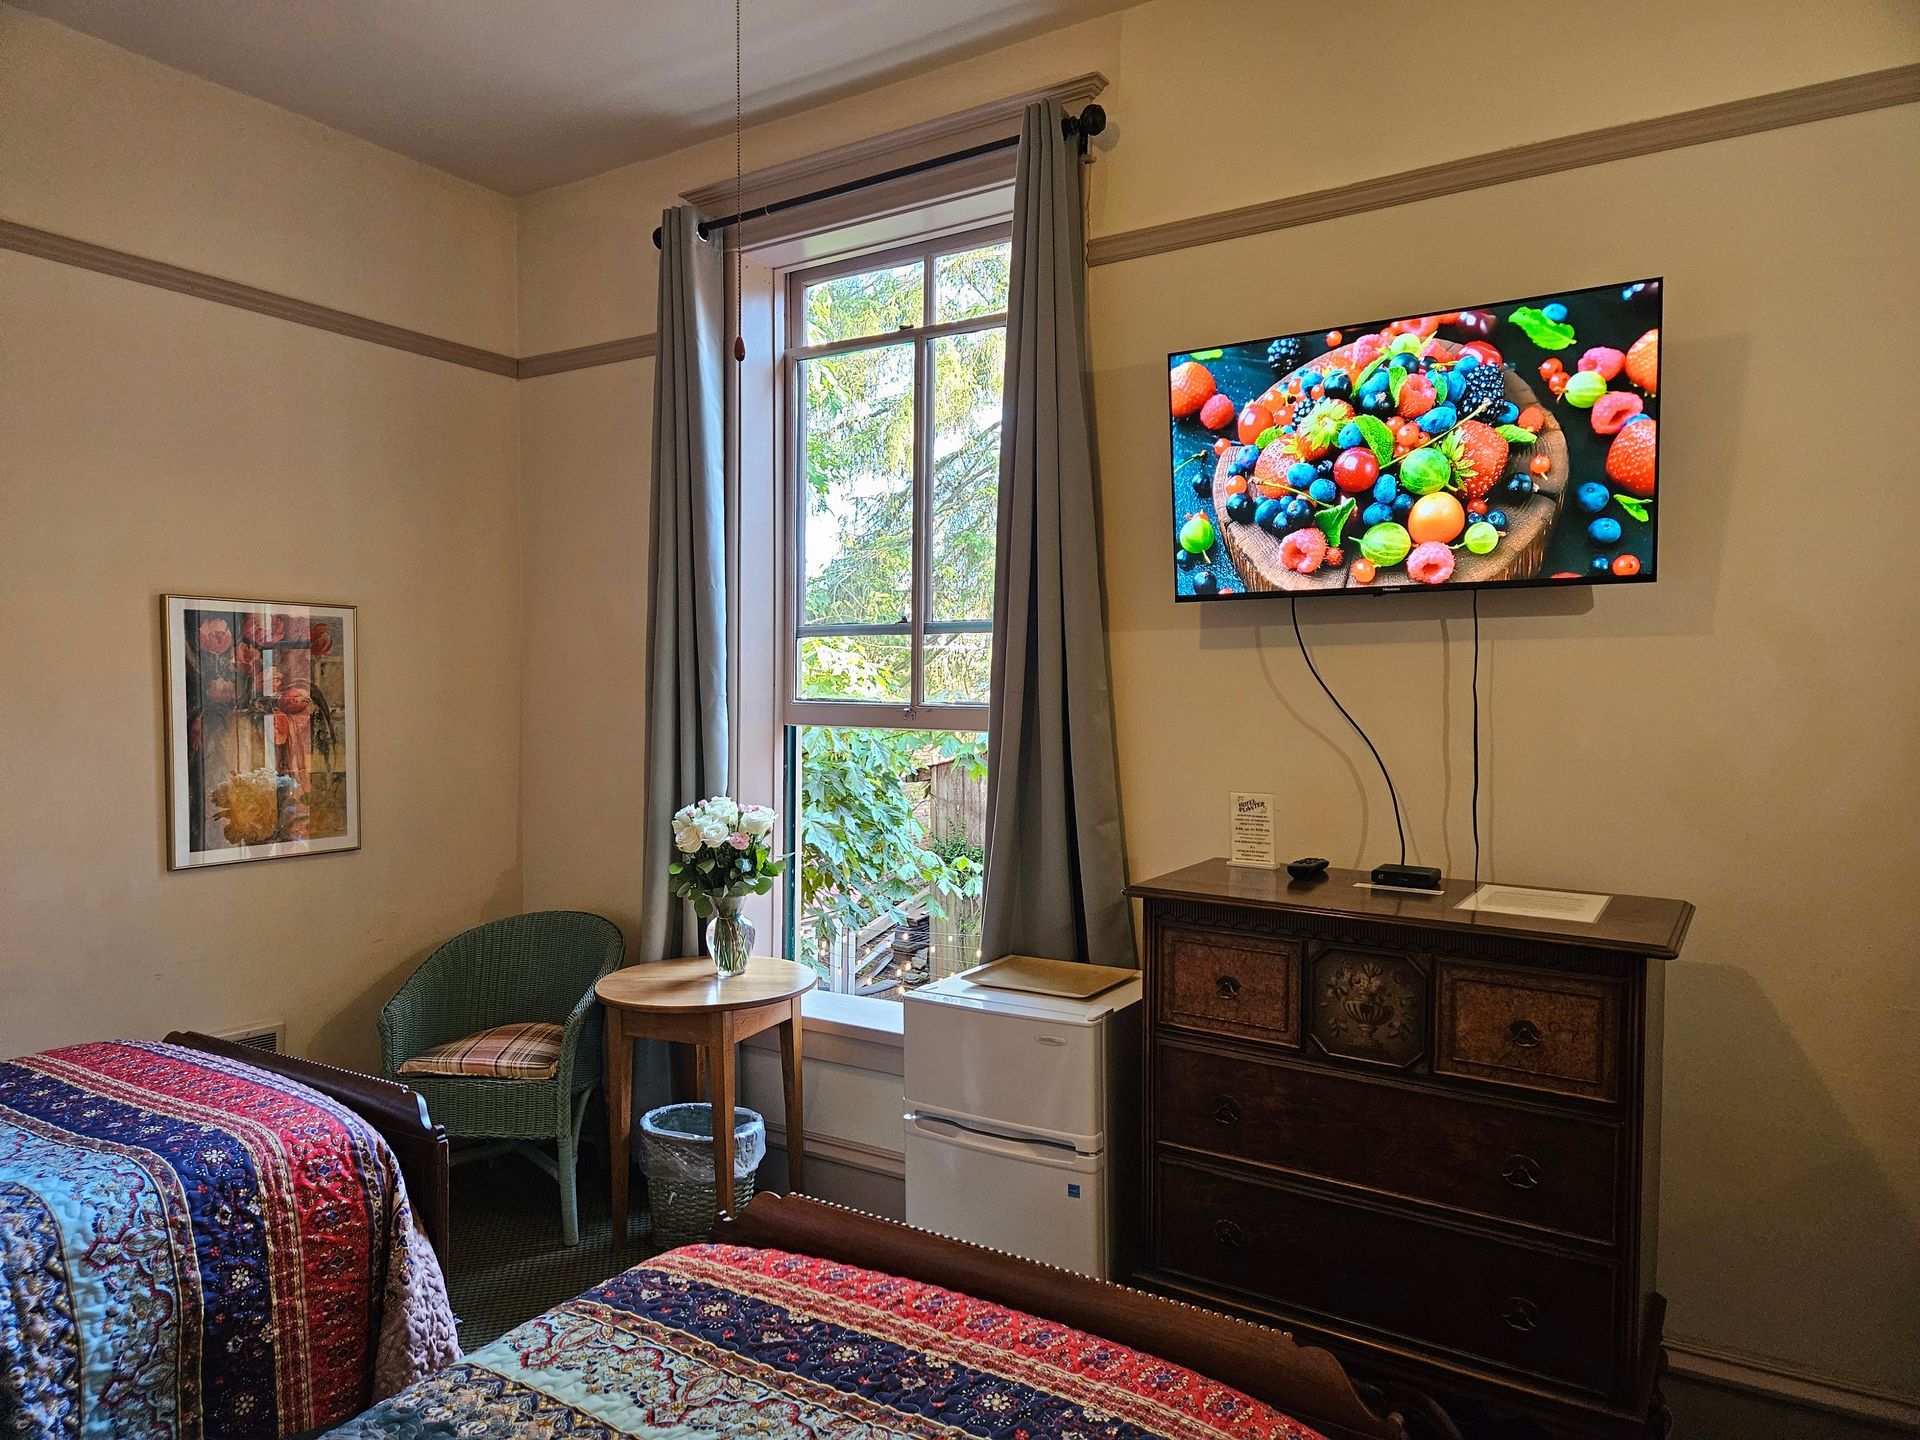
column 1023, row 1120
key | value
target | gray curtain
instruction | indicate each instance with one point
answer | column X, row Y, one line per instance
column 686, row 716
column 1056, row 868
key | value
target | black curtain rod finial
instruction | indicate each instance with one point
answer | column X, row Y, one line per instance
column 1087, row 124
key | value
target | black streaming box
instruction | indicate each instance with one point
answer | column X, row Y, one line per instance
column 1407, row 877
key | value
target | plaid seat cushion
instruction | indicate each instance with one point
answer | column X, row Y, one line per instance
column 529, row 1051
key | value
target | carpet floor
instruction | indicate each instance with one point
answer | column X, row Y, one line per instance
column 507, row 1260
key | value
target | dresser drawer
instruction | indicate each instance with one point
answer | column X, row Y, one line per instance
column 1531, row 1028
column 1216, row 981
column 1496, row 1160
column 1526, row 1309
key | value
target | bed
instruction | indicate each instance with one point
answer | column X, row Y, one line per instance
column 803, row 1321
column 202, row 1240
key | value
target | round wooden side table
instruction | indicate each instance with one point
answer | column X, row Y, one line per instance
column 686, row 1000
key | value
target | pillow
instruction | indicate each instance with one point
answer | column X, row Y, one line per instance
column 528, row 1051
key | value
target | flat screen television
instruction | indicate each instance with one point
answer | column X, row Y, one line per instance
column 1508, row 444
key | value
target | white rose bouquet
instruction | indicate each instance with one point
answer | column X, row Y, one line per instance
column 724, row 851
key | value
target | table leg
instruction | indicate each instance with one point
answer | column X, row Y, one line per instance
column 619, row 1117
column 721, row 1087
column 790, row 1079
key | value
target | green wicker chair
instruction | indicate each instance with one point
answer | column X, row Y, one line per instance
column 527, row 968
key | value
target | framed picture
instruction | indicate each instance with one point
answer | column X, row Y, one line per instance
column 262, row 751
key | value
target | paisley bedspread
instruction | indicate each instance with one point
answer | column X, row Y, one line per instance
column 714, row 1340
column 191, row 1247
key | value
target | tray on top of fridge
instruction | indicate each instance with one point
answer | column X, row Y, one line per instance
column 1036, row 976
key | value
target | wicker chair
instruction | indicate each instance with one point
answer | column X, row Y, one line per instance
column 528, row 968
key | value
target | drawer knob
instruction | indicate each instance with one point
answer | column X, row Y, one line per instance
column 1228, row 987
column 1226, row 1110
column 1520, row 1314
column 1520, row 1171
column 1228, row 1234
column 1524, row 1033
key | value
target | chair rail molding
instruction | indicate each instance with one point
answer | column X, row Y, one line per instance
column 83, row 254
column 1829, row 99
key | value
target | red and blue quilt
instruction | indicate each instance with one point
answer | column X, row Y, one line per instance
column 721, row 1340
column 193, row 1247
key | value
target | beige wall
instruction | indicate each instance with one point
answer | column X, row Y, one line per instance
column 1741, row 734
column 103, row 145
column 153, row 442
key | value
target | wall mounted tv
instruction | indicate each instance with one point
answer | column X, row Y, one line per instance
column 1504, row 445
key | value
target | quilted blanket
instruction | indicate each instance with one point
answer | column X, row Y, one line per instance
column 193, row 1247
column 719, row 1340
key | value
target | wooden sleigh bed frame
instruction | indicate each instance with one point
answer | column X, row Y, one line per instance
column 1269, row 1365
column 1303, row 1381
column 394, row 1110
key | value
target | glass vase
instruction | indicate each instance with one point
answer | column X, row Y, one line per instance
column 729, row 937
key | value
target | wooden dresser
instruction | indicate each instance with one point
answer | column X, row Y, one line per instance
column 1428, row 1138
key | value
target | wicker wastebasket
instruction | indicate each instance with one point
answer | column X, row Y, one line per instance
column 679, row 1160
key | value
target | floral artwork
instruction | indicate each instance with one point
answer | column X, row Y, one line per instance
column 262, row 755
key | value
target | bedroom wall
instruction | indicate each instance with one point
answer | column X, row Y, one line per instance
column 151, row 441
column 1732, row 735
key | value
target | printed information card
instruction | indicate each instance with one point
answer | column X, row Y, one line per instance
column 1252, row 829
column 1574, row 905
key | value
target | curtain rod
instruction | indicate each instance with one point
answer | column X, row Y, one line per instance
column 1088, row 123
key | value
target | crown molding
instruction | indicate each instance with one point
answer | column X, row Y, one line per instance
column 980, row 125
column 1827, row 100
column 65, row 250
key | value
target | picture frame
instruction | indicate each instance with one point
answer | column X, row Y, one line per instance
column 263, row 750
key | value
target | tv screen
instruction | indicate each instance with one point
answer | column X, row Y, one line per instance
column 1507, row 444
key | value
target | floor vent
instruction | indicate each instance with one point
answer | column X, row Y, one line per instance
column 271, row 1038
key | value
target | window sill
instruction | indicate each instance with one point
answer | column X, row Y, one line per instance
column 852, row 1030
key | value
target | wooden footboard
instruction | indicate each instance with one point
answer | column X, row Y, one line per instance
column 1304, row 1382
column 397, row 1112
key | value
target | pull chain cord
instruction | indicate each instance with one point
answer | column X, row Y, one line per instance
column 1476, row 739
column 1293, row 607
column 739, row 338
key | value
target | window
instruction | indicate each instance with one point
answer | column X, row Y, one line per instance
column 894, row 366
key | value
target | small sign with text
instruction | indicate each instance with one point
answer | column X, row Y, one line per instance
column 1251, row 826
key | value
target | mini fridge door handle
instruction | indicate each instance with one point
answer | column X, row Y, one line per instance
column 1039, row 1152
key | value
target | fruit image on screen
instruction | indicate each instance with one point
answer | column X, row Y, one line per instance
column 1508, row 444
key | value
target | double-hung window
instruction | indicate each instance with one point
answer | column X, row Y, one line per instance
column 893, row 366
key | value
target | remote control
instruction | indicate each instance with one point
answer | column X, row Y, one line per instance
column 1307, row 867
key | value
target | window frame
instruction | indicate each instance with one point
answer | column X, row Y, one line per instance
column 917, row 713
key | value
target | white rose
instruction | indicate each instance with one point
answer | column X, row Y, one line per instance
column 712, row 832
column 756, row 820
column 686, row 838
column 683, row 814
column 724, row 810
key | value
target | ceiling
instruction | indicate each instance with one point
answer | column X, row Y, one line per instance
column 521, row 94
